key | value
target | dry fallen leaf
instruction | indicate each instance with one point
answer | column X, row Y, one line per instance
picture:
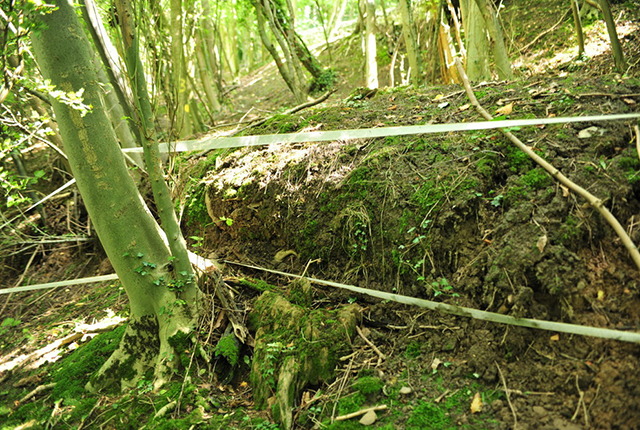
column 438, row 97
column 505, row 110
column 565, row 191
column 630, row 102
column 542, row 242
column 555, row 338
column 464, row 107
column 600, row 295
column 476, row 403
column 394, row 107
column 435, row 363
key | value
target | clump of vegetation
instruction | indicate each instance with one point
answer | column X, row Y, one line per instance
column 323, row 82
column 228, row 348
column 368, row 385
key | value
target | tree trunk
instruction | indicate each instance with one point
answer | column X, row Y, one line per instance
column 213, row 60
column 162, row 300
column 500, row 55
column 289, row 69
column 336, row 17
column 110, row 59
column 206, row 75
column 181, row 123
column 618, row 56
column 578, row 25
column 409, row 32
column 477, row 65
column 370, row 50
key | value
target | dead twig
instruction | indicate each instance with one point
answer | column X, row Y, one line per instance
column 506, row 391
column 582, row 403
column 361, row 412
column 594, row 201
column 343, row 383
column 37, row 390
column 544, row 33
column 381, row 356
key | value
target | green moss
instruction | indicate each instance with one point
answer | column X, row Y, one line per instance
column 368, row 385
column 515, row 193
column 196, row 208
column 537, row 179
column 300, row 293
column 228, row 348
column 427, row 415
column 569, row 231
column 351, row 403
column 71, row 374
column 323, row 82
column 285, row 123
column 181, row 343
column 486, row 167
column 257, row 285
column 413, row 350
column 516, row 159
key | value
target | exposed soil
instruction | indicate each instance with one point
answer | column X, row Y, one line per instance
column 462, row 218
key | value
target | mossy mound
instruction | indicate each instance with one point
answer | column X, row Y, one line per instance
column 295, row 347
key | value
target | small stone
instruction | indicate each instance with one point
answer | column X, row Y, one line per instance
column 540, row 411
column 406, row 390
column 368, row 418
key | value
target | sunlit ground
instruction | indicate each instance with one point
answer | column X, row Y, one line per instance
column 596, row 44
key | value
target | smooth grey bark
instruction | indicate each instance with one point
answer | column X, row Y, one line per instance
column 410, row 40
column 370, row 50
column 500, row 56
column 477, row 44
column 162, row 302
column 109, row 55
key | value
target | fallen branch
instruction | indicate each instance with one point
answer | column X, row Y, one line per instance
column 381, row 356
column 544, row 33
column 290, row 111
column 506, row 390
column 36, row 391
column 361, row 412
column 555, row 173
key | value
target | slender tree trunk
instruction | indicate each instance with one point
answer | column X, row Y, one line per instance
column 370, row 49
column 212, row 56
column 578, row 25
column 477, row 46
column 336, row 16
column 409, row 32
column 325, row 30
column 162, row 300
column 286, row 71
column 181, row 123
column 500, row 55
column 110, row 58
column 618, row 56
column 206, row 75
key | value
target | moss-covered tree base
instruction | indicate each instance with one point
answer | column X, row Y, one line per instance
column 295, row 347
column 148, row 351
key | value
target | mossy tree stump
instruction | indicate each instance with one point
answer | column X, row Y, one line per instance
column 295, row 347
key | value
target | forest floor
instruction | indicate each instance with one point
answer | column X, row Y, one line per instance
column 460, row 218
